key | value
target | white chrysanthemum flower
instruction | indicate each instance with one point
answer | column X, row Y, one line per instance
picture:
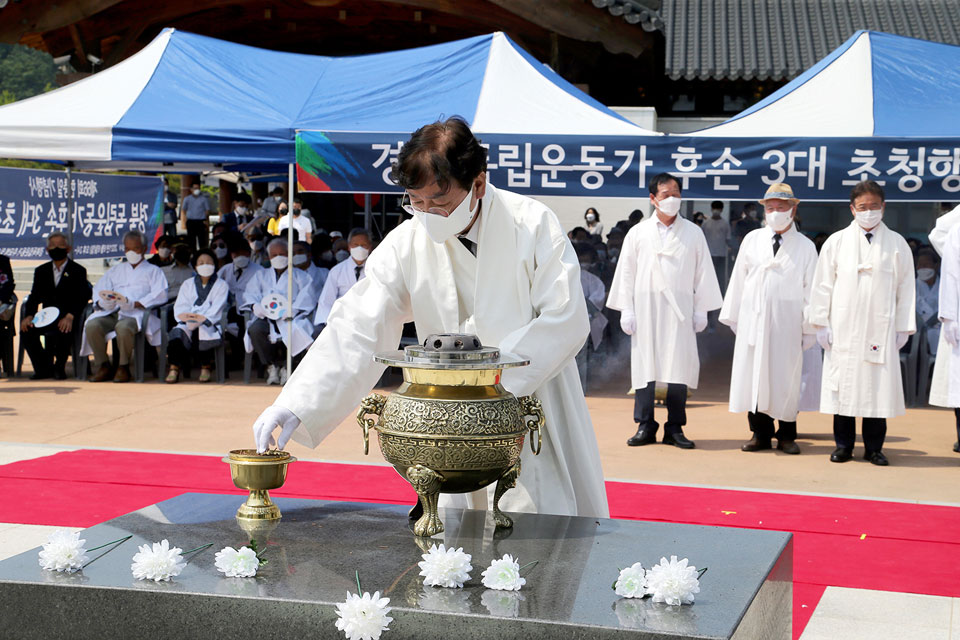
column 632, row 582
column 157, row 563
column 363, row 618
column 63, row 552
column 673, row 581
column 503, row 574
column 442, row 567
column 237, row 563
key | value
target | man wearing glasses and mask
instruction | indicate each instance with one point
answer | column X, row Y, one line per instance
column 473, row 259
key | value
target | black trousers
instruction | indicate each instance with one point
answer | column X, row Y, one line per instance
column 57, row 348
column 956, row 414
column 845, row 432
column 197, row 235
column 181, row 357
column 676, row 408
column 762, row 426
column 268, row 352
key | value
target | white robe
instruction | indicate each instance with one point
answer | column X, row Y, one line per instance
column 338, row 281
column 527, row 300
column 863, row 291
column 928, row 305
column 765, row 300
column 228, row 273
column 145, row 284
column 664, row 283
column 945, row 388
column 265, row 282
column 596, row 294
column 211, row 309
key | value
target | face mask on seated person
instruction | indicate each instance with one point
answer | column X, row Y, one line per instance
column 241, row 262
column 342, row 255
column 220, row 252
column 133, row 257
column 163, row 252
column 205, row 270
column 926, row 274
column 278, row 262
column 299, row 259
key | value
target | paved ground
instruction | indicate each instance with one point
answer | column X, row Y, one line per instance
column 40, row 418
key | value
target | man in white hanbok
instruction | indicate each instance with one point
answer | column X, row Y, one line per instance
column 269, row 337
column 142, row 285
column 474, row 259
column 945, row 389
column 343, row 275
column 862, row 306
column 663, row 287
column 768, row 292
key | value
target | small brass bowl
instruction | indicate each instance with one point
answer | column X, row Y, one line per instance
column 258, row 473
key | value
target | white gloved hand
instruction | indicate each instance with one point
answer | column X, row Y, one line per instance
column 699, row 321
column 259, row 311
column 108, row 305
column 951, row 332
column 902, row 337
column 126, row 306
column 272, row 417
column 628, row 322
column 809, row 340
column 825, row 337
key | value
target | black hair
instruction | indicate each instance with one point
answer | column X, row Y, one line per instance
column 635, row 216
column 585, row 250
column 277, row 190
column 441, row 152
column 663, row 178
column 867, row 187
column 236, row 242
column 203, row 252
column 595, row 212
column 716, row 204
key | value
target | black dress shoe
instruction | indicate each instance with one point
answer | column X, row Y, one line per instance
column 641, row 437
column 788, row 446
column 41, row 375
column 956, row 446
column 59, row 375
column 678, row 440
column 877, row 458
column 841, row 454
column 757, row 444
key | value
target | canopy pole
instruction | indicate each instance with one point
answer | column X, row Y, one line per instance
column 367, row 212
column 70, row 206
column 290, row 267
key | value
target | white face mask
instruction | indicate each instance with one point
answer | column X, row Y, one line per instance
column 779, row 220
column 241, row 262
column 926, row 274
column 242, row 210
column 220, row 252
column 591, row 217
column 277, row 198
column 163, row 252
column 133, row 257
column 299, row 259
column 205, row 270
column 278, row 262
column 256, row 245
column 669, row 206
column 342, row 255
column 441, row 229
column 359, row 253
column 196, row 192
column 868, row 219
column 327, row 255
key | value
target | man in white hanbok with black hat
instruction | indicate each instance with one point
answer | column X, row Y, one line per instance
column 663, row 287
column 474, row 259
column 768, row 292
column 862, row 306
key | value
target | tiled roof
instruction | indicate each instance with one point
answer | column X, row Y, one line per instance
column 779, row 39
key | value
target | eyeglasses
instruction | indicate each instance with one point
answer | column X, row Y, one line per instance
column 412, row 210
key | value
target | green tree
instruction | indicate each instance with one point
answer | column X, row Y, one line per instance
column 25, row 72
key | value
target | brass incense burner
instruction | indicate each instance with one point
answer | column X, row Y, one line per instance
column 258, row 473
column 451, row 427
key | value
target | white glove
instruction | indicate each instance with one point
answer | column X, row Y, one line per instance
column 259, row 311
column 628, row 322
column 825, row 337
column 808, row 341
column 126, row 306
column 951, row 332
column 902, row 337
column 699, row 321
column 271, row 418
column 108, row 305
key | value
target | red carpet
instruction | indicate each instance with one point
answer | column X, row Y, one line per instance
column 864, row 544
